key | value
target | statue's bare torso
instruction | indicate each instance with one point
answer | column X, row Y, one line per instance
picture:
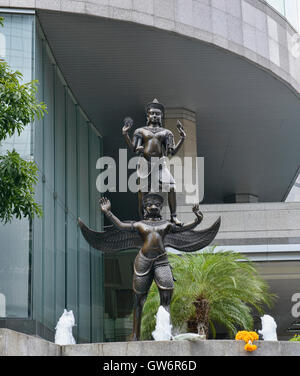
column 154, row 140
column 153, row 233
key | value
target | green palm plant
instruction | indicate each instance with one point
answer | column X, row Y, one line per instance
column 211, row 287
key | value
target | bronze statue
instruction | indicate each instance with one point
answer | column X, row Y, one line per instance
column 154, row 143
column 150, row 235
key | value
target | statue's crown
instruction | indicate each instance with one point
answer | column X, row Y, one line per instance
column 157, row 105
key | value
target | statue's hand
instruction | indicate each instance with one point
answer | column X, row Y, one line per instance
column 181, row 129
column 197, row 212
column 140, row 150
column 128, row 122
column 170, row 151
column 105, row 204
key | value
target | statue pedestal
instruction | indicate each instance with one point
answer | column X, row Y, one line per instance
column 183, row 348
column 18, row 344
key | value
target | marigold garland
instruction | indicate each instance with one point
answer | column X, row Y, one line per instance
column 249, row 338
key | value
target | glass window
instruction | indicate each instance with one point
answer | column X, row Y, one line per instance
column 67, row 272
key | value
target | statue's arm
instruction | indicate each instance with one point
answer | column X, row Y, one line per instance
column 182, row 134
column 135, row 145
column 190, row 225
column 106, row 208
column 128, row 141
column 128, row 122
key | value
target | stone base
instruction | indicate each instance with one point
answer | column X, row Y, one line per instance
column 18, row 344
column 183, row 348
column 28, row 326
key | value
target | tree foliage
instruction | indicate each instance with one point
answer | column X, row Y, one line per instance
column 227, row 281
column 18, row 107
column 18, row 103
column 17, row 180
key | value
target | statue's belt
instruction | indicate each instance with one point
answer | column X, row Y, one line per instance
column 150, row 262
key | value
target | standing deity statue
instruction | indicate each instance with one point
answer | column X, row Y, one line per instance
column 154, row 143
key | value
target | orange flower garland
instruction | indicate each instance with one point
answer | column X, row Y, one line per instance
column 249, row 338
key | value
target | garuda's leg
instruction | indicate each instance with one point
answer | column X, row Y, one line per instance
column 139, row 301
column 165, row 298
column 142, row 280
column 165, row 283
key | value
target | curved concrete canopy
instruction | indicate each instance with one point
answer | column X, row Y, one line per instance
column 250, row 28
column 247, row 119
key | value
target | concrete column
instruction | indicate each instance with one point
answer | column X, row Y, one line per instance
column 2, row 305
column 185, row 177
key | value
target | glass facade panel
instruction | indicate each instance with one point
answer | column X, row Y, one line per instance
column 118, row 295
column 49, row 266
column 16, row 50
column 67, row 272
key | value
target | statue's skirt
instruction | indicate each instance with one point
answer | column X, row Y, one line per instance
column 154, row 175
column 146, row 269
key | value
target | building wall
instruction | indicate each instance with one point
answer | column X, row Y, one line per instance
column 46, row 265
column 249, row 28
column 67, row 272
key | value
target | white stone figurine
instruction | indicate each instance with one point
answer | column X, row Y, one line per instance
column 268, row 330
column 163, row 328
column 63, row 334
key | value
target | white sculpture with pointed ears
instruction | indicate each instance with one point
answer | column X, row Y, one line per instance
column 269, row 327
column 63, row 334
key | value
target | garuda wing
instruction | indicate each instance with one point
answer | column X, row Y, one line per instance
column 192, row 240
column 112, row 239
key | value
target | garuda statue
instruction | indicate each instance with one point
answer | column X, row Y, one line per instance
column 151, row 236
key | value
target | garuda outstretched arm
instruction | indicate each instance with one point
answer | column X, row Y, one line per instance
column 119, row 237
column 106, row 208
column 190, row 225
column 185, row 239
